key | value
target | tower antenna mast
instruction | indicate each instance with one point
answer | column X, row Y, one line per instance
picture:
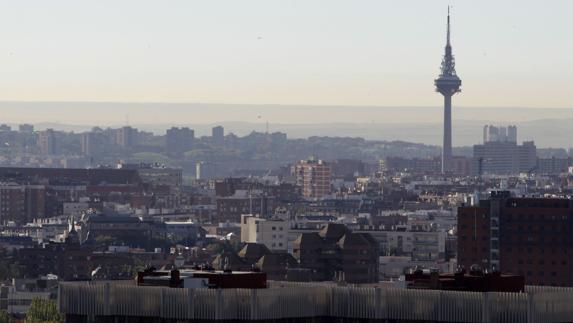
column 448, row 83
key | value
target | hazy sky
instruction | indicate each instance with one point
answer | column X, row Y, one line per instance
column 366, row 52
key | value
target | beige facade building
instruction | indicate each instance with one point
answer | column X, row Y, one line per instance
column 313, row 176
column 272, row 233
column 47, row 142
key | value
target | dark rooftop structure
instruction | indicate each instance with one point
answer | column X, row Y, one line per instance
column 336, row 253
column 228, row 259
column 252, row 252
column 308, row 239
column 474, row 281
column 70, row 175
column 202, row 278
column 333, row 231
column 276, row 265
column 104, row 218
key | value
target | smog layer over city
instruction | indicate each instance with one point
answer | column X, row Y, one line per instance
column 286, row 161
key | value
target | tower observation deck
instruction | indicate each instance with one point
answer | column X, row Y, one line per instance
column 448, row 83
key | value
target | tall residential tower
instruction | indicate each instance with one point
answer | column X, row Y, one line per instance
column 448, row 84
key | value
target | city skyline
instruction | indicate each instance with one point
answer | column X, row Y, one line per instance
column 547, row 127
column 300, row 161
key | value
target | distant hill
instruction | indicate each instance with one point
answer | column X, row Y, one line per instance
column 545, row 133
column 549, row 127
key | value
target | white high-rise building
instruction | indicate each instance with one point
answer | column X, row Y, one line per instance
column 499, row 134
column 503, row 156
column 272, row 233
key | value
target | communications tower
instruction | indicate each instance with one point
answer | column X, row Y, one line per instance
column 448, row 84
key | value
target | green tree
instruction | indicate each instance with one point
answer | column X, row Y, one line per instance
column 147, row 156
column 215, row 248
column 138, row 265
column 43, row 311
column 4, row 317
column 8, row 270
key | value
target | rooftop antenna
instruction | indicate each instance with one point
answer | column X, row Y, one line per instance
column 313, row 157
column 250, row 200
column 267, row 127
column 262, row 208
column 448, row 34
column 127, row 119
column 447, row 84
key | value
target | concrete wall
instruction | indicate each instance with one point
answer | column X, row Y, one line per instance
column 300, row 301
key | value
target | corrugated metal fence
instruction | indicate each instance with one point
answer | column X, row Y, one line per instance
column 537, row 305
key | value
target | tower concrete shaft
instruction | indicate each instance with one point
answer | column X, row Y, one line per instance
column 447, row 143
column 447, row 84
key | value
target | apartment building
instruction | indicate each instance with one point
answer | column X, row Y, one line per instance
column 272, row 233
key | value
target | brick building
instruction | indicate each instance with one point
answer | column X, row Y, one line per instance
column 22, row 203
column 525, row 236
column 313, row 176
column 336, row 253
column 30, row 193
column 119, row 229
column 66, row 260
column 231, row 208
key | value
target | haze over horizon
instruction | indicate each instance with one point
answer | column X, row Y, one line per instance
column 300, row 52
column 308, row 68
column 548, row 127
column 122, row 113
